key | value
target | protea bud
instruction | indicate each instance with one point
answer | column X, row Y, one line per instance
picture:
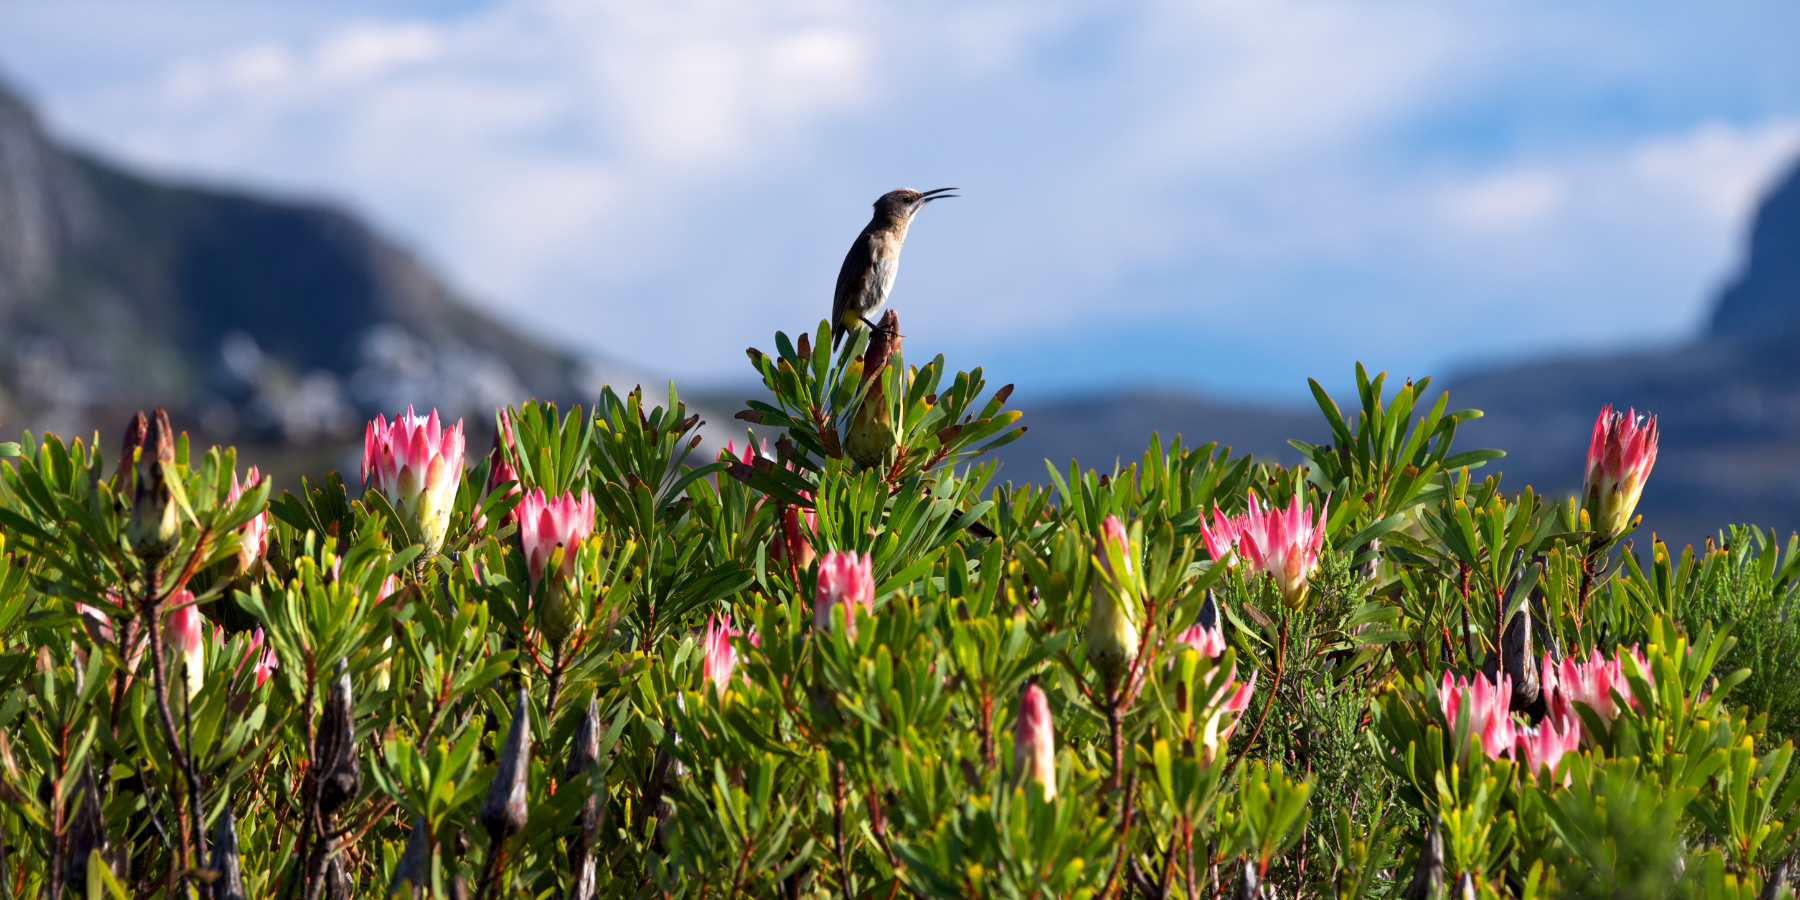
column 504, row 811
column 1112, row 634
column 846, row 581
column 793, row 543
column 154, row 528
column 417, row 465
column 1618, row 463
column 253, row 536
column 871, row 440
column 584, row 754
column 1283, row 543
column 501, row 472
column 721, row 657
column 1034, row 741
column 184, row 635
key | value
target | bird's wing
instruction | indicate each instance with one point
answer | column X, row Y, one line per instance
column 851, row 281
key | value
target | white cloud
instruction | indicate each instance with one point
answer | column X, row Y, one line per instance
column 1263, row 173
column 1508, row 200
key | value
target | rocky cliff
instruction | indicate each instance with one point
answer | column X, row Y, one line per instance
column 255, row 320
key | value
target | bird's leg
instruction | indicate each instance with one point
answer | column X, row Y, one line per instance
column 876, row 329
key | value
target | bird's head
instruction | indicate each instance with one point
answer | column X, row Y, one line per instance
column 900, row 205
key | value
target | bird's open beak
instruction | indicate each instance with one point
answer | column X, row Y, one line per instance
column 938, row 194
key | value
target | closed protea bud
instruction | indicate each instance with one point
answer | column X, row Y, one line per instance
column 417, row 464
column 153, row 528
column 871, row 440
column 1034, row 741
column 1112, row 634
column 504, row 811
column 846, row 581
column 720, row 656
column 253, row 536
column 184, row 635
column 1619, row 460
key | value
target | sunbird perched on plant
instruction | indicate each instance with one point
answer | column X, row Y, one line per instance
column 874, row 259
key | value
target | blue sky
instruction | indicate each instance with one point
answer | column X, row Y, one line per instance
column 1225, row 196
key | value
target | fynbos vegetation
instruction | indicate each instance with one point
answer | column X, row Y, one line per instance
column 854, row 665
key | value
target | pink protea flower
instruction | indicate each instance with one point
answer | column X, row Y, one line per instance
column 1034, row 741
column 720, row 658
column 185, row 637
column 1619, row 461
column 546, row 524
column 1208, row 639
column 1546, row 744
column 846, row 580
column 1592, row 682
column 1223, row 711
column 1112, row 633
column 1489, row 715
column 1283, row 543
column 253, row 536
column 417, row 464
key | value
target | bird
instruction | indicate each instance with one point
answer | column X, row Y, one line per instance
column 869, row 268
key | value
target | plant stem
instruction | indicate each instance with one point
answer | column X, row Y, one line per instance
column 160, row 688
column 837, row 824
column 1112, row 879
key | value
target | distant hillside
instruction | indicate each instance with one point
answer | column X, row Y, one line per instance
column 1728, row 405
column 252, row 319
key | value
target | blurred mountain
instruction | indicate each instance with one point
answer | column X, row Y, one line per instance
column 286, row 324
column 1727, row 403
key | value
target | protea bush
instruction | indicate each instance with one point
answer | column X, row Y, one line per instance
column 601, row 662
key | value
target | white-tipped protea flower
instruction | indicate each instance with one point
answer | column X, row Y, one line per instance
column 1545, row 745
column 417, row 464
column 846, row 581
column 253, row 536
column 184, row 635
column 1618, row 463
column 1592, row 683
column 545, row 526
column 1112, row 634
column 1034, row 742
column 1283, row 543
column 1489, row 712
